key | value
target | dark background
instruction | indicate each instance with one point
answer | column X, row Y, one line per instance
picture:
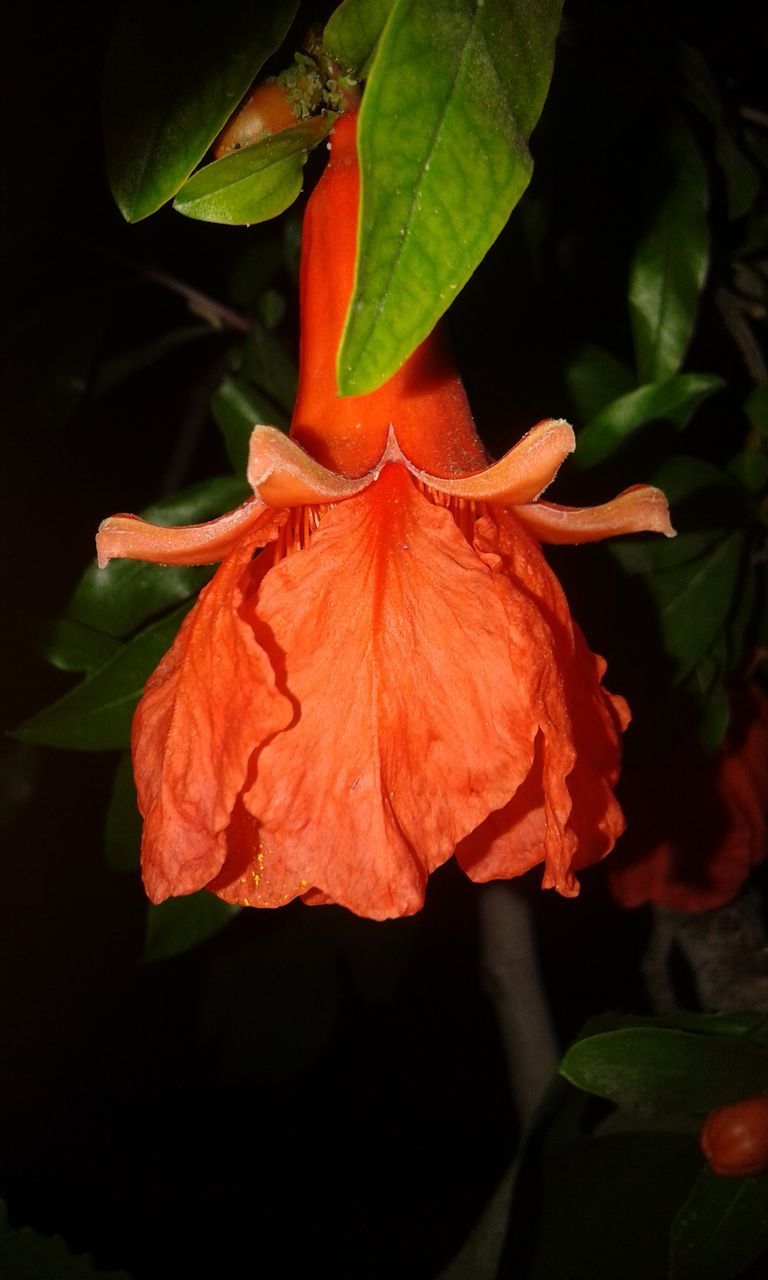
column 307, row 1091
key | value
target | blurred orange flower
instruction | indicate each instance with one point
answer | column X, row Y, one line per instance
column 697, row 824
column 396, row 676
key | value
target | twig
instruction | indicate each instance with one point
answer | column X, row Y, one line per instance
column 515, row 987
column 217, row 314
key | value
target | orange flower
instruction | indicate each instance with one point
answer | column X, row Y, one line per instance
column 396, row 676
column 697, row 825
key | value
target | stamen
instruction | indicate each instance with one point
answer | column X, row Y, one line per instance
column 465, row 511
column 296, row 534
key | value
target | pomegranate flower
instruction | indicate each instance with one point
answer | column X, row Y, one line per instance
column 697, row 825
column 396, row 676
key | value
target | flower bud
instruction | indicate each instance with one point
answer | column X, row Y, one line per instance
column 266, row 110
column 735, row 1138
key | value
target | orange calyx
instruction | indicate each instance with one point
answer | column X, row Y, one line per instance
column 424, row 401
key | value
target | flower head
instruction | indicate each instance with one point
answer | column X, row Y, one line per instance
column 697, row 824
column 396, row 676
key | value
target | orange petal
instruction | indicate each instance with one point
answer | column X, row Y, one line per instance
column 420, row 678
column 521, row 475
column 640, row 509
column 211, row 701
column 565, row 814
column 126, row 537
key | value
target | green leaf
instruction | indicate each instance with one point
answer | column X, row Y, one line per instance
column 670, row 264
column 96, row 715
column 116, row 369
column 255, row 183
column 750, row 468
column 649, row 1069
column 694, row 599
column 752, row 1026
column 172, row 81
column 701, row 88
column 455, row 89
column 674, row 400
column 70, row 646
column 352, row 31
column 721, row 1228
column 741, row 176
column 602, row 1209
column 256, row 267
column 756, row 409
column 180, row 923
column 713, row 717
column 27, row 1255
column 594, row 378
column 122, row 828
column 237, row 407
column 478, row 1258
column 266, row 363
column 122, row 596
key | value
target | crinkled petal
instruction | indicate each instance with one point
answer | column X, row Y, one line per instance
column 639, row 509
column 419, row 677
column 566, row 814
column 212, row 701
column 126, row 537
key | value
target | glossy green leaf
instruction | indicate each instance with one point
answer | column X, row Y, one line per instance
column 237, row 407
column 674, row 400
column 670, row 264
column 352, row 31
column 454, row 92
column 122, row 596
column 96, row 715
column 172, row 81
column 721, row 1228
column 29, row 1255
column 658, row 1069
column 594, row 378
column 71, row 646
column 255, row 183
column 122, row 827
column 181, row 923
column 694, row 599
